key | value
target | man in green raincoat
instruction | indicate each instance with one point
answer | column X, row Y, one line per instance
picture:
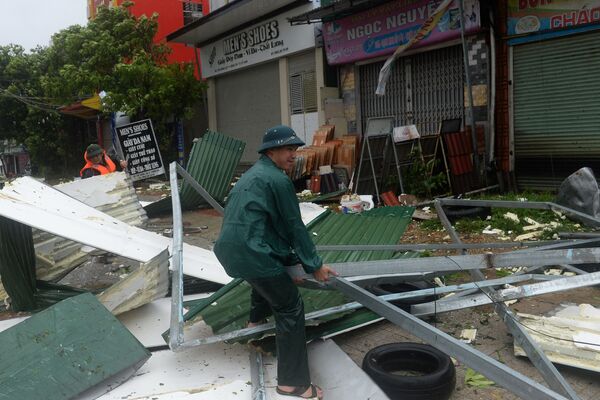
column 263, row 233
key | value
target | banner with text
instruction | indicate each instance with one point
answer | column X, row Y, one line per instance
column 530, row 16
column 380, row 30
column 140, row 149
column 269, row 39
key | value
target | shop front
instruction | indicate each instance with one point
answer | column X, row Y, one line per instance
column 554, row 58
column 252, row 75
column 427, row 83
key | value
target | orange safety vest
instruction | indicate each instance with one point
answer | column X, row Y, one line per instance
column 103, row 169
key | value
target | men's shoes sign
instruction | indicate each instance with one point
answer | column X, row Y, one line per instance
column 140, row 149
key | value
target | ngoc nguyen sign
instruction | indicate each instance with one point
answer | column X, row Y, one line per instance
column 380, row 30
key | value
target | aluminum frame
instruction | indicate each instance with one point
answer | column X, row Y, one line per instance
column 512, row 380
column 533, row 350
column 504, row 376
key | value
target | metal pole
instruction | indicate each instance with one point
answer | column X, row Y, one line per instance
column 373, row 169
column 504, row 376
column 258, row 376
column 432, row 246
column 190, row 179
column 535, row 353
column 469, row 90
column 176, row 326
column 461, row 263
column 397, row 162
column 249, row 332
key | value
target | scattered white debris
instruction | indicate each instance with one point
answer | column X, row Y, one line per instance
column 553, row 271
column 510, row 302
column 488, row 218
column 522, row 199
column 447, row 237
column 426, row 209
column 528, row 236
column 512, row 217
column 535, row 227
column 468, row 335
column 531, row 221
column 558, row 213
column 438, row 282
column 489, row 231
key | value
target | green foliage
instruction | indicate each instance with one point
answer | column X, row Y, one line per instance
column 419, row 178
column 512, row 228
column 431, row 224
column 477, row 380
column 114, row 53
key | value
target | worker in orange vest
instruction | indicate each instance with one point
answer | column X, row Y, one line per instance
column 98, row 162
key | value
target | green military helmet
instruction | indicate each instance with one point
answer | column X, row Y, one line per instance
column 279, row 136
column 93, row 150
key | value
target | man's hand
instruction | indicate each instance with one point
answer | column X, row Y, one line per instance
column 123, row 164
column 323, row 273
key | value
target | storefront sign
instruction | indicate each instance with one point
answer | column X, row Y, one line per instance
column 379, row 31
column 140, row 149
column 530, row 16
column 269, row 39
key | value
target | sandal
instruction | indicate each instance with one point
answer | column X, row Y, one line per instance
column 299, row 391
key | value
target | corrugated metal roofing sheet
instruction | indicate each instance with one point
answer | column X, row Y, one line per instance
column 112, row 194
column 66, row 350
column 228, row 309
column 384, row 225
column 212, row 163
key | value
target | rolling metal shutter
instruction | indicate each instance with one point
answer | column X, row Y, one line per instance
column 248, row 104
column 423, row 90
column 556, row 103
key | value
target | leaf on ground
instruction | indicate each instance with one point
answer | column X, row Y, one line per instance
column 475, row 379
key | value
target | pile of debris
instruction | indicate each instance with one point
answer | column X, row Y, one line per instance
column 76, row 348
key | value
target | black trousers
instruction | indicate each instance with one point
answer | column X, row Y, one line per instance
column 279, row 296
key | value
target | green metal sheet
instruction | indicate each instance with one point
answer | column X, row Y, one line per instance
column 228, row 309
column 212, row 163
column 555, row 94
column 65, row 351
column 384, row 225
column 17, row 264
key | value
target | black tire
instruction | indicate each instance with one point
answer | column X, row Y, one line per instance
column 455, row 213
column 381, row 289
column 436, row 381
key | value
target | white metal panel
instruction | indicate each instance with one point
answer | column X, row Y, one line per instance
column 111, row 193
column 42, row 207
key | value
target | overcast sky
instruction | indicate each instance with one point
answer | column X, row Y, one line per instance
column 32, row 22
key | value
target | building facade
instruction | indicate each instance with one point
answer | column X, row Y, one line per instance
column 260, row 70
column 548, row 89
column 172, row 15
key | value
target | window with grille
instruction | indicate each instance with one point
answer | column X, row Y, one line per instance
column 191, row 11
column 303, row 92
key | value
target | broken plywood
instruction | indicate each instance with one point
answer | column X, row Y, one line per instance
column 570, row 337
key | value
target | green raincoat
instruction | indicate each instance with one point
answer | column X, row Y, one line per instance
column 262, row 230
